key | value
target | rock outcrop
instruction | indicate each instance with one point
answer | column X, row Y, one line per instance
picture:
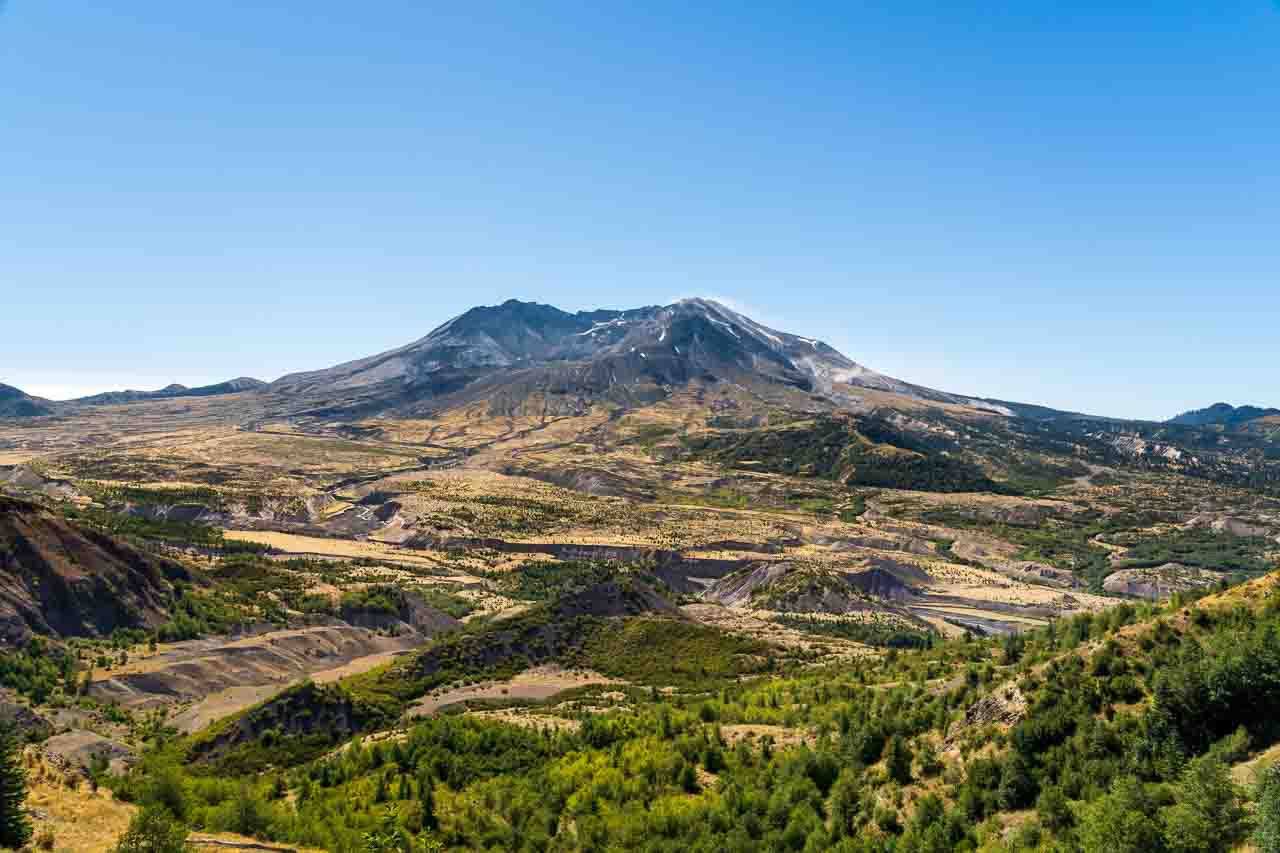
column 1158, row 583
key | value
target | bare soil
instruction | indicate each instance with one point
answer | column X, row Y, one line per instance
column 541, row 682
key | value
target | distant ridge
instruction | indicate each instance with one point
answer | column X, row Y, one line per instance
column 1223, row 414
column 231, row 386
column 15, row 403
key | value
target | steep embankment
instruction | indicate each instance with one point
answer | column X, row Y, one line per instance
column 64, row 580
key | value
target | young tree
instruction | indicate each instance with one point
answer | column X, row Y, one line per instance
column 897, row 759
column 1207, row 816
column 1017, row 789
column 153, row 830
column 1267, row 792
column 15, row 826
column 167, row 788
column 1053, row 809
column 427, row 798
column 689, row 779
column 387, row 838
column 1121, row 821
column 845, row 804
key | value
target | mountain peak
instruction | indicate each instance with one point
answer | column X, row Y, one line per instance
column 517, row 349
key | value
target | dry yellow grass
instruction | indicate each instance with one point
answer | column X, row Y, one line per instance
column 296, row 544
column 80, row 819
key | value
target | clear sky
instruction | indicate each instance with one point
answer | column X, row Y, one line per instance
column 1075, row 204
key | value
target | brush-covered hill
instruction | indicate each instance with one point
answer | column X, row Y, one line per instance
column 1223, row 414
column 1130, row 730
column 60, row 579
column 15, row 403
column 622, row 626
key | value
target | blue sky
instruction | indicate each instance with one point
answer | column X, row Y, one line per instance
column 1070, row 204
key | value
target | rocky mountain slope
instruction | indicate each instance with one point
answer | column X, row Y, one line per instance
column 63, row 580
column 521, row 348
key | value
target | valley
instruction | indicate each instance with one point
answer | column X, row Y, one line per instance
column 489, row 576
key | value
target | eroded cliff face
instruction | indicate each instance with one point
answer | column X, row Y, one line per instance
column 63, row 580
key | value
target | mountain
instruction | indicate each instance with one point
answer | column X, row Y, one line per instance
column 231, row 386
column 529, row 360
column 1223, row 414
column 517, row 350
column 18, row 404
column 524, row 359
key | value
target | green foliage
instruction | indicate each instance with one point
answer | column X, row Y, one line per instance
column 672, row 652
column 140, row 530
column 897, row 760
column 153, row 830
column 1121, row 822
column 1266, row 834
column 884, row 635
column 1201, row 548
column 867, row 451
column 38, row 670
column 15, row 826
column 1124, row 746
column 453, row 605
column 546, row 581
column 378, row 598
column 1207, row 815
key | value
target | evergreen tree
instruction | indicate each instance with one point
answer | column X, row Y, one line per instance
column 1017, row 789
column 1207, row 816
column 1054, row 810
column 15, row 826
column 427, row 798
column 1121, row 821
column 1267, row 834
column 897, row 759
column 689, row 779
column 845, row 803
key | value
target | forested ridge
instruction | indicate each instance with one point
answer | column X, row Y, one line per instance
column 1105, row 732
